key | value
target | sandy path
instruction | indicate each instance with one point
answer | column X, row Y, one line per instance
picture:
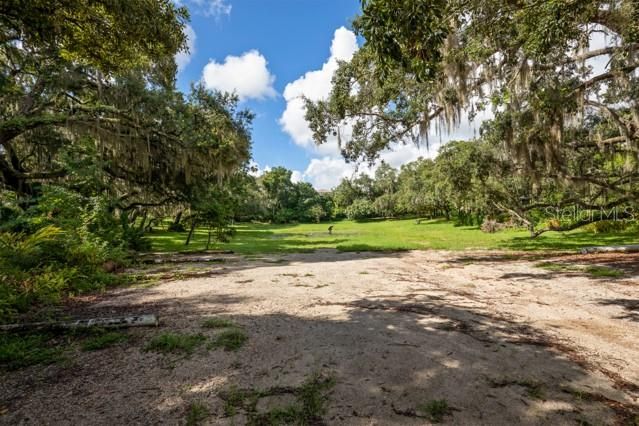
column 502, row 341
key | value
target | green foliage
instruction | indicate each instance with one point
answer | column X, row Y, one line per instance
column 58, row 248
column 175, row 343
column 18, row 351
column 607, row 226
column 405, row 34
column 558, row 139
column 360, row 209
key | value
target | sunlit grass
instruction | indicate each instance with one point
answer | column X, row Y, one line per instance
column 382, row 235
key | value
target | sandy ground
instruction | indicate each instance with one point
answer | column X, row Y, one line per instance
column 502, row 341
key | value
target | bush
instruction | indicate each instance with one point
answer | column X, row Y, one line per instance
column 58, row 247
column 360, row 209
column 607, row 226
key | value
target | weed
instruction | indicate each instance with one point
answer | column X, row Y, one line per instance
column 313, row 396
column 196, row 413
column 309, row 406
column 556, row 267
column 18, row 351
column 604, row 272
column 435, row 410
column 174, row 342
column 104, row 340
column 217, row 323
column 230, row 340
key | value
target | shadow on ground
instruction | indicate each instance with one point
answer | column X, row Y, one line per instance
column 388, row 355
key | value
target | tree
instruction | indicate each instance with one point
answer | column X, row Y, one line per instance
column 427, row 62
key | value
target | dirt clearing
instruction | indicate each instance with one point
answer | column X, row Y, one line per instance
column 358, row 338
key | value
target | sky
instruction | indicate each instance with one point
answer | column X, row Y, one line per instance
column 271, row 53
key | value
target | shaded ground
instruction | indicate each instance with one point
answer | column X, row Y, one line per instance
column 502, row 338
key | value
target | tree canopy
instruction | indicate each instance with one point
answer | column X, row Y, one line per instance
column 559, row 77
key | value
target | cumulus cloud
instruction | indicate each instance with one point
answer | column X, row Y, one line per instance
column 296, row 176
column 327, row 172
column 315, row 85
column 182, row 59
column 247, row 75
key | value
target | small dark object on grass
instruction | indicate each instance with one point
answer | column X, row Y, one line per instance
column 330, row 230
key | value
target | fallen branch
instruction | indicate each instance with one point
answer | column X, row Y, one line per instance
column 611, row 249
column 149, row 320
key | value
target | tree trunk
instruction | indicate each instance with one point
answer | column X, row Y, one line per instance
column 188, row 239
column 146, row 213
column 176, row 221
column 208, row 241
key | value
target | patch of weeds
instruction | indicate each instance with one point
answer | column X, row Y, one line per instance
column 435, row 410
column 18, row 351
column 556, row 267
column 363, row 272
column 174, row 342
column 104, row 340
column 233, row 400
column 230, row 340
column 604, row 272
column 218, row 323
column 309, row 406
column 308, row 274
column 196, row 413
column 321, row 285
column 294, row 275
column 313, row 396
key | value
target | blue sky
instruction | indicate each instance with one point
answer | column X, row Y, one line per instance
column 271, row 52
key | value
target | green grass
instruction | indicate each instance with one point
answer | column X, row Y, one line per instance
column 104, row 340
column 252, row 239
column 435, row 410
column 217, row 323
column 230, row 340
column 196, row 414
column 19, row 351
column 175, row 342
column 604, row 272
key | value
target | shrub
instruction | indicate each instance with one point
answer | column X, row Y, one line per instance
column 607, row 226
column 360, row 209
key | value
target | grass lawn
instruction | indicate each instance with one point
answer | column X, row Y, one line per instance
column 382, row 235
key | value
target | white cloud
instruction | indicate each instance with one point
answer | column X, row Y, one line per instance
column 247, row 75
column 182, row 59
column 315, row 85
column 327, row 172
column 256, row 170
column 297, row 176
